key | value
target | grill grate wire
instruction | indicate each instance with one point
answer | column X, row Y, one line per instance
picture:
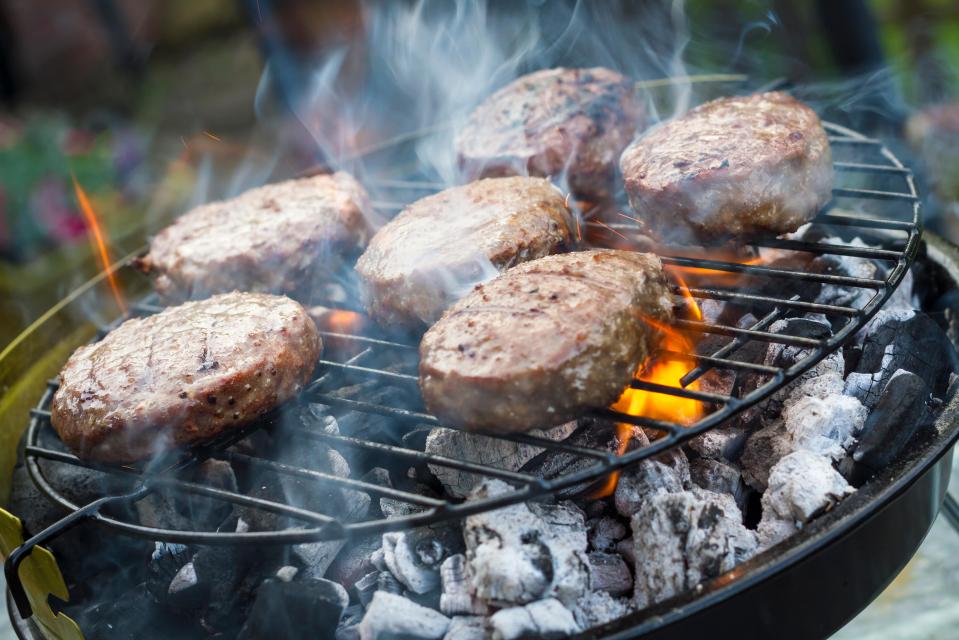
column 900, row 229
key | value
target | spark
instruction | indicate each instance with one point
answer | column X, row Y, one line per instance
column 211, row 136
column 566, row 201
column 636, row 220
column 579, row 232
column 100, row 246
column 600, row 222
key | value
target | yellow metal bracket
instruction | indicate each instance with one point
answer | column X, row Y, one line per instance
column 41, row 578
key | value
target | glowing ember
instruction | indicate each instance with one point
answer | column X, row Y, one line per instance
column 666, row 369
column 99, row 244
column 339, row 321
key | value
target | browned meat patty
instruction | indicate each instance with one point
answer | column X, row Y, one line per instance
column 741, row 168
column 555, row 122
column 546, row 340
column 439, row 247
column 183, row 375
column 280, row 238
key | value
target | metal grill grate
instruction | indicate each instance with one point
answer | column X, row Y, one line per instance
column 880, row 202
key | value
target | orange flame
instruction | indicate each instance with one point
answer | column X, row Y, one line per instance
column 665, row 370
column 99, row 244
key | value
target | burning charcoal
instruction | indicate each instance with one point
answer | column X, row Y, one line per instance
column 404, row 563
column 609, row 573
column 366, row 586
column 484, row 450
column 604, row 533
column 902, row 339
column 901, row 411
column 457, row 598
column 387, row 582
column 627, row 548
column 166, row 561
column 683, row 539
column 354, row 561
column 668, row 472
column 395, row 508
column 816, row 416
column 593, row 434
column 525, row 552
column 722, row 443
column 544, row 619
column 719, row 477
column 316, row 557
column 845, row 266
column 803, row 485
column 393, row 616
column 466, row 628
column 598, row 607
column 303, row 609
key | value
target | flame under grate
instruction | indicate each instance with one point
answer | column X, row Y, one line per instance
column 887, row 212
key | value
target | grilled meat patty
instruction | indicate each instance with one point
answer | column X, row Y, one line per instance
column 554, row 122
column 280, row 238
column 184, row 375
column 742, row 168
column 544, row 341
column 439, row 247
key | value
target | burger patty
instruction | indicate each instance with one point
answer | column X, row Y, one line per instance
column 280, row 238
column 743, row 168
column 183, row 376
column 554, row 122
column 439, row 247
column 544, row 341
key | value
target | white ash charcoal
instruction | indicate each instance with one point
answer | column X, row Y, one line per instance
column 718, row 381
column 390, row 616
column 683, row 539
column 483, row 450
column 720, row 443
column 598, row 607
column 457, row 597
column 166, row 560
column 719, row 477
column 525, row 552
column 667, row 472
column 900, row 339
column 901, row 411
column 286, row 573
column 608, row 572
column 773, row 531
column 466, row 628
column 801, row 486
column 816, row 416
column 604, row 533
column 544, row 619
column 408, row 567
column 378, row 559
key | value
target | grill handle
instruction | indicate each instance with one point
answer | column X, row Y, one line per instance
column 11, row 567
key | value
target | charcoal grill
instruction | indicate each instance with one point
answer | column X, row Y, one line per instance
column 881, row 204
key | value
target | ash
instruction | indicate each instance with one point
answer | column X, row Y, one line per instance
column 673, row 524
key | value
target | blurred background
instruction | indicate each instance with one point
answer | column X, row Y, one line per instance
column 117, row 115
column 153, row 106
